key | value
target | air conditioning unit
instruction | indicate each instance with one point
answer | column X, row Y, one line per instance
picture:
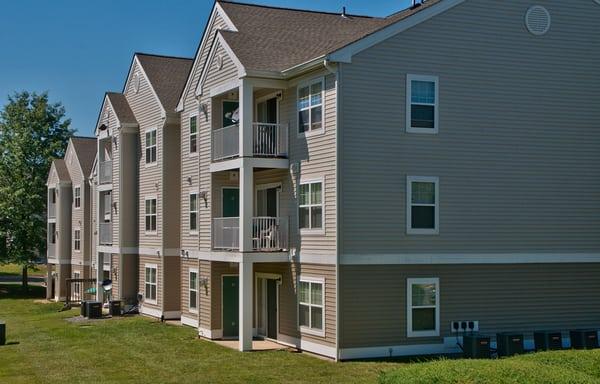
column 94, row 309
column 114, row 308
column 509, row 344
column 584, row 338
column 547, row 340
column 476, row 346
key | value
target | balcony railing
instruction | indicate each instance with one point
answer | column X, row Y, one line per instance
column 51, row 211
column 226, row 142
column 269, row 234
column 105, row 231
column 105, row 172
column 51, row 251
column 268, row 140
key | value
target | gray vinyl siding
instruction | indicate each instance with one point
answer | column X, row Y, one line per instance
column 539, row 296
column 518, row 149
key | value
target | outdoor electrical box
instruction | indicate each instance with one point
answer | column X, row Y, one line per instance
column 509, row 344
column 2, row 333
column 547, row 340
column 94, row 309
column 476, row 346
column 584, row 338
column 114, row 308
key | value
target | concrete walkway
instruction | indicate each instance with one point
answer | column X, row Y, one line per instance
column 257, row 345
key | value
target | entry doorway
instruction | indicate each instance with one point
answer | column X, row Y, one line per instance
column 230, row 306
column 267, row 305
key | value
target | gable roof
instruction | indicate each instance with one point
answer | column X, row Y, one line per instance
column 276, row 39
column 121, row 108
column 61, row 169
column 167, row 76
column 85, row 149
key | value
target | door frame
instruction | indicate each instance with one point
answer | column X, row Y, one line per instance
column 223, row 199
column 272, row 95
column 260, row 187
column 270, row 276
column 222, row 306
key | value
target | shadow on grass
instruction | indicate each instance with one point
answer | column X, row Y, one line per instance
column 411, row 359
column 15, row 291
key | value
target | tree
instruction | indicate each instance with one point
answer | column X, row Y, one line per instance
column 32, row 133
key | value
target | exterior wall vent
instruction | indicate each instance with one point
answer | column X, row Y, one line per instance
column 537, row 20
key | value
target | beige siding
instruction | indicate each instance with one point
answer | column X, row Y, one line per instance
column 186, row 265
column 171, row 187
column 205, row 310
column 540, row 296
column 114, row 266
column 93, row 223
column 151, row 259
column 171, row 282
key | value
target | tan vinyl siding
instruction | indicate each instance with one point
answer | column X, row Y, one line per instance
column 501, row 297
column 171, row 187
column 186, row 265
column 114, row 266
column 79, row 216
column 52, row 177
column 205, row 294
column 171, row 283
column 150, row 259
column 93, row 223
column 517, row 133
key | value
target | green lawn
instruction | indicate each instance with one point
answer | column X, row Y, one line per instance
column 16, row 270
column 44, row 347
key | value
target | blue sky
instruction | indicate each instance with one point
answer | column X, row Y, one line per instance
column 76, row 50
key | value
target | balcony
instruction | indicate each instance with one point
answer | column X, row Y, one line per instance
column 51, row 251
column 105, row 233
column 269, row 234
column 105, row 172
column 268, row 140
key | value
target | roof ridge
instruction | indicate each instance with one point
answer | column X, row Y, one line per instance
column 296, row 9
column 82, row 137
column 163, row 56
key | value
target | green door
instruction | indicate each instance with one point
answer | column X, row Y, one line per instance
column 231, row 202
column 230, row 306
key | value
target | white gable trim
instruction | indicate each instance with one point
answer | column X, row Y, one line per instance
column 345, row 54
column 163, row 112
column 219, row 41
column 105, row 104
column 217, row 10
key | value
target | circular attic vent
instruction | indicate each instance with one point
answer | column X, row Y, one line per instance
column 537, row 20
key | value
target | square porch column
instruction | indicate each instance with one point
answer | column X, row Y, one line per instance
column 245, row 303
column 246, row 91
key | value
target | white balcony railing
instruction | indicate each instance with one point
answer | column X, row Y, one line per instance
column 105, row 231
column 268, row 233
column 51, row 251
column 51, row 211
column 105, row 172
column 225, row 142
column 226, row 233
column 269, row 140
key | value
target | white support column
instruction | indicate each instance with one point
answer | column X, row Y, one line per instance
column 246, row 108
column 99, row 275
column 246, row 205
column 245, row 310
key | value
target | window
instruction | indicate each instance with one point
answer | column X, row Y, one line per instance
column 77, row 197
column 422, row 205
column 151, row 146
column 423, row 307
column 193, row 134
column 52, row 233
column 194, row 212
column 150, row 292
column 311, row 313
column 150, row 215
column 310, row 212
column 77, row 240
column 421, row 104
column 193, row 304
column 310, row 106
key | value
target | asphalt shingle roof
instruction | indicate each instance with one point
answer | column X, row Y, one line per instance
column 121, row 108
column 61, row 169
column 85, row 148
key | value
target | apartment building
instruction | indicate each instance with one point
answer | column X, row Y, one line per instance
column 353, row 185
column 69, row 217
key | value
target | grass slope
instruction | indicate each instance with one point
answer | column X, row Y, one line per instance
column 16, row 270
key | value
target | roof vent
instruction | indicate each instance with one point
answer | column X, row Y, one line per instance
column 537, row 20
column 416, row 3
column 344, row 12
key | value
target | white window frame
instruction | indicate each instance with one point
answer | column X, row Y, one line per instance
column 312, row 231
column 409, row 307
column 422, row 231
column 195, row 153
column 304, row 329
column 77, row 241
column 77, row 196
column 146, row 147
column 155, row 284
column 196, row 289
column 309, row 84
column 409, row 128
column 151, row 231
column 197, row 211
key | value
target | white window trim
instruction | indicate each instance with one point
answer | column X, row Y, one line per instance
column 193, row 114
column 309, row 83
column 194, row 232
column 311, row 231
column 76, row 187
column 154, row 163
column 74, row 239
column 422, row 231
column 146, row 299
column 409, row 283
column 303, row 329
column 154, row 232
column 197, row 290
column 436, row 121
